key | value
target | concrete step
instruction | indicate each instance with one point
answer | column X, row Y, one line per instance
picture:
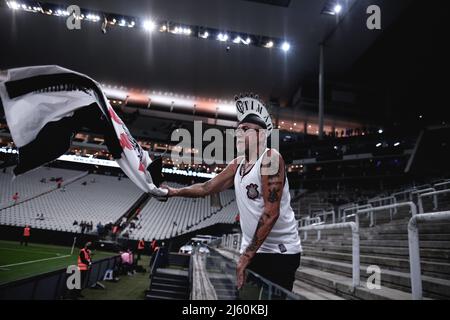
column 404, row 236
column 167, row 279
column 434, row 269
column 222, row 286
column 426, row 254
column 150, row 296
column 310, row 292
column 433, row 287
column 173, row 287
column 392, row 243
column 341, row 286
column 393, row 227
column 167, row 293
column 424, row 228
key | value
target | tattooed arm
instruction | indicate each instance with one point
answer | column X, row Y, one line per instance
column 272, row 178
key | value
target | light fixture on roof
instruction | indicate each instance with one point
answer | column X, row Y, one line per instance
column 149, row 25
column 378, row 145
column 204, row 35
column 380, row 131
column 222, row 37
column 285, row 46
column 396, row 144
column 337, row 8
column 13, row 5
column 237, row 40
column 269, row 44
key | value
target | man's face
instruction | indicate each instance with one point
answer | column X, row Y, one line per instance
column 247, row 134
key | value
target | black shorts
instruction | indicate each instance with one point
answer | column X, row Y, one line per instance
column 277, row 268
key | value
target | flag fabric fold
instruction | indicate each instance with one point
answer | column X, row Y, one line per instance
column 45, row 106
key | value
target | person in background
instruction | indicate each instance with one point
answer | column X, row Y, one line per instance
column 140, row 249
column 84, row 264
column 15, row 197
column 26, row 235
column 153, row 245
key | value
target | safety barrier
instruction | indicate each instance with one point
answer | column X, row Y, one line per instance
column 414, row 248
column 355, row 244
column 52, row 285
column 371, row 211
column 434, row 194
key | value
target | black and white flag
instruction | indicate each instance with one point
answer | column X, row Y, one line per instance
column 46, row 105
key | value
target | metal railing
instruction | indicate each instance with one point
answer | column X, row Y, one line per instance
column 434, row 194
column 371, row 211
column 376, row 202
column 318, row 206
column 324, row 214
column 414, row 248
column 355, row 244
column 307, row 221
column 441, row 184
column 355, row 209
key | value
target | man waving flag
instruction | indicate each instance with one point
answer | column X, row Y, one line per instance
column 45, row 106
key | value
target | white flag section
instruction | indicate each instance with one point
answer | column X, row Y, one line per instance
column 27, row 113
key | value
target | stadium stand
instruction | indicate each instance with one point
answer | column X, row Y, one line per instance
column 102, row 199
column 163, row 220
column 33, row 183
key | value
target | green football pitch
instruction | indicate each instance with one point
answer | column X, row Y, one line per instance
column 19, row 262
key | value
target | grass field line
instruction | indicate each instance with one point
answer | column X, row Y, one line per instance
column 39, row 252
column 28, row 262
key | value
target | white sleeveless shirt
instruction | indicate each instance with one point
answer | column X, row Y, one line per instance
column 283, row 238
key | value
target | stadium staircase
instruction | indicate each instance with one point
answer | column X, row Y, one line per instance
column 170, row 282
column 327, row 264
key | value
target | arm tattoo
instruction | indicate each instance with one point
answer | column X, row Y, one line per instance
column 265, row 222
column 273, row 195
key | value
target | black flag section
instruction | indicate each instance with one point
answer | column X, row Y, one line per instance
column 55, row 138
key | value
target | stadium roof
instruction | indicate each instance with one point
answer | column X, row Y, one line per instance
column 188, row 65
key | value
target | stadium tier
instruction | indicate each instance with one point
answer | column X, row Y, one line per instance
column 95, row 198
column 33, row 183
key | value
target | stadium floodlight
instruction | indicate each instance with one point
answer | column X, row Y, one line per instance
column 269, row 44
column 285, row 46
column 149, row 25
column 380, row 131
column 396, row 144
column 378, row 145
column 337, row 8
column 222, row 37
column 13, row 5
